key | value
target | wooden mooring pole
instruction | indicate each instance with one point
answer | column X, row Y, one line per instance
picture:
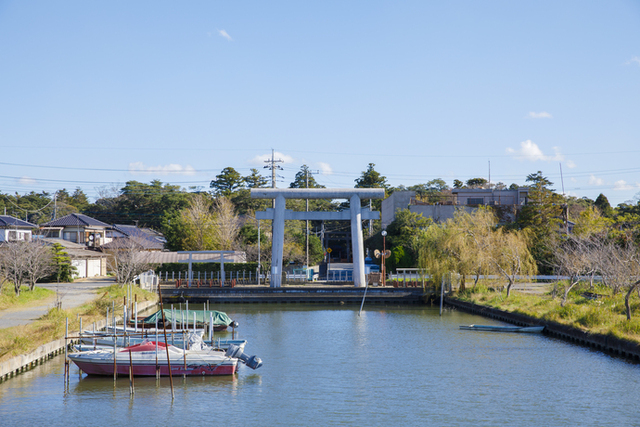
column 164, row 327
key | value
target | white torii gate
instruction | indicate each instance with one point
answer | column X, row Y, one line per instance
column 356, row 214
column 190, row 261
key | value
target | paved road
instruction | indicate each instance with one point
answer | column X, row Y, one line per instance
column 70, row 294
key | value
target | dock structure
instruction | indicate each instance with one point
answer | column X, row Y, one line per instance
column 318, row 294
column 355, row 214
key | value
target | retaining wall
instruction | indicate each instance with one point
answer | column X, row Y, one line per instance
column 606, row 343
column 22, row 363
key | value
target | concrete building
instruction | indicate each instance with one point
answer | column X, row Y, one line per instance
column 506, row 203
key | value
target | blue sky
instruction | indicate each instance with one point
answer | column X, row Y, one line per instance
column 93, row 94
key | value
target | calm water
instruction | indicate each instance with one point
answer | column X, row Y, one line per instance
column 328, row 366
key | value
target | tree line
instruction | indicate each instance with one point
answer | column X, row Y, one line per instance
column 223, row 218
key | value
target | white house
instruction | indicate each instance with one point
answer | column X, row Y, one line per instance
column 13, row 229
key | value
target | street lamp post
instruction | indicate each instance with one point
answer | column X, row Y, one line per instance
column 384, row 252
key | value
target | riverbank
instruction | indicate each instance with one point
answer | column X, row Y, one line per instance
column 25, row 344
column 584, row 320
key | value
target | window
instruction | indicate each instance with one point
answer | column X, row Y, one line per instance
column 475, row 201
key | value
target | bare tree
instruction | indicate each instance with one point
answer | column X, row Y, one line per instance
column 509, row 254
column 577, row 257
column 622, row 269
column 13, row 263
column 38, row 262
column 227, row 224
column 126, row 260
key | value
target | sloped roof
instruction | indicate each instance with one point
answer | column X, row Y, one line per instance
column 10, row 221
column 139, row 242
column 143, row 238
column 167, row 257
column 64, row 243
column 75, row 219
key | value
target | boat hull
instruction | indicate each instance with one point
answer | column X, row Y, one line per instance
column 150, row 370
column 146, row 363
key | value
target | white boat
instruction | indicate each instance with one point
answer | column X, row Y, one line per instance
column 94, row 342
column 150, row 357
column 492, row 328
column 182, row 340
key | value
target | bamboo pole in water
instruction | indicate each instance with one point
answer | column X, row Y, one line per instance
column 157, row 368
column 115, row 367
column 131, row 386
column 164, row 328
column 66, row 360
column 441, row 294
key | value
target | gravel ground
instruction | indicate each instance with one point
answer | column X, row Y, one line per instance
column 70, row 294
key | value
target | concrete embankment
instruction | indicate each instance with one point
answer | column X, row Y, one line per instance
column 45, row 352
column 606, row 343
column 318, row 294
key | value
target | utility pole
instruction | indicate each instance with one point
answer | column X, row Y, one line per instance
column 307, row 221
column 271, row 165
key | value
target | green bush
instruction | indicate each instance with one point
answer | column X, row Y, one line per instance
column 593, row 316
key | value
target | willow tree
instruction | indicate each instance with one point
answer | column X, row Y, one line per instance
column 198, row 224
column 458, row 245
column 432, row 254
column 476, row 233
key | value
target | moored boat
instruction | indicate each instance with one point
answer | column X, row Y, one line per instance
column 149, row 357
column 185, row 319
column 492, row 328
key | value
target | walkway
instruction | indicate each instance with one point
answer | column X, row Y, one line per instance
column 69, row 294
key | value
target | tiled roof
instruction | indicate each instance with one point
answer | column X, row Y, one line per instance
column 64, row 243
column 139, row 242
column 164, row 257
column 10, row 221
column 75, row 219
column 140, row 237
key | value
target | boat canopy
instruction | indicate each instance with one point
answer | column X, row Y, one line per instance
column 220, row 318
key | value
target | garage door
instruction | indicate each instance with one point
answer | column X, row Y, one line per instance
column 93, row 267
column 81, row 270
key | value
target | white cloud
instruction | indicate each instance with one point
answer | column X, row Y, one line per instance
column 325, row 168
column 263, row 158
column 635, row 59
column 540, row 115
column 172, row 169
column 595, row 181
column 25, row 180
column 622, row 185
column 570, row 164
column 529, row 150
column 224, row 34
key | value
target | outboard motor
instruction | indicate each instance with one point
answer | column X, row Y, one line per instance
column 234, row 324
column 253, row 362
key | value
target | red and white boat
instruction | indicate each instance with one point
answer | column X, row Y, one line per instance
column 148, row 357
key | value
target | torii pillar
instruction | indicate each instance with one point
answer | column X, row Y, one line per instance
column 356, row 214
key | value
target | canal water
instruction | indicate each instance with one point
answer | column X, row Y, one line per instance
column 328, row 366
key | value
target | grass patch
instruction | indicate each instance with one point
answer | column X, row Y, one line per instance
column 51, row 326
column 605, row 314
column 27, row 298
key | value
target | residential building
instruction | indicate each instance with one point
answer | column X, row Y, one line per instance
column 77, row 228
column 13, row 229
